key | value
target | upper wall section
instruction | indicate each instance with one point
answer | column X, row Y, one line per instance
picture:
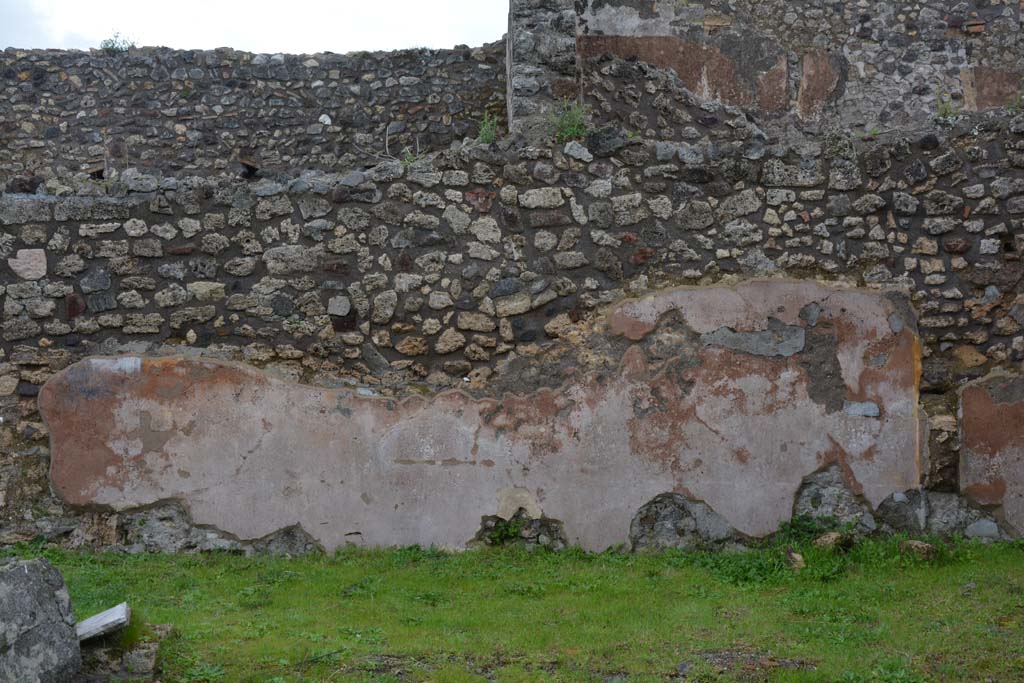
column 870, row 64
column 200, row 111
column 541, row 62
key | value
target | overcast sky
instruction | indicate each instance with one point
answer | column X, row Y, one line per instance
column 254, row 25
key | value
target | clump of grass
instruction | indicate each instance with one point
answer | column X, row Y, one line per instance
column 135, row 632
column 203, row 672
column 570, row 122
column 488, row 128
column 768, row 563
column 253, row 597
column 891, row 671
column 803, row 529
column 116, row 44
column 505, row 531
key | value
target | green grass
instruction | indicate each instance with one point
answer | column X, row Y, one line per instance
column 871, row 615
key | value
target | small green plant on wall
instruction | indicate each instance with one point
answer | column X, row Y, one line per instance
column 505, row 531
column 570, row 122
column 410, row 157
column 116, row 44
column 946, row 109
column 1017, row 105
column 488, row 128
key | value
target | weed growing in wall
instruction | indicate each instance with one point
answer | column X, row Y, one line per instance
column 488, row 128
column 570, row 122
column 116, row 44
column 410, row 157
column 505, row 531
column 1017, row 105
column 946, row 109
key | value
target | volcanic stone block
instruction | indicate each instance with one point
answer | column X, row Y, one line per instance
column 37, row 628
column 727, row 396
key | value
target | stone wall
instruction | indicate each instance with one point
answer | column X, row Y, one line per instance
column 877, row 65
column 441, row 286
column 541, row 63
column 868, row 65
column 589, row 452
column 223, row 110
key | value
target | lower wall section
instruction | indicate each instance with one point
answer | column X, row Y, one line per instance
column 992, row 452
column 731, row 397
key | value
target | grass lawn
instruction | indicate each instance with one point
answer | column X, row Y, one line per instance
column 872, row 614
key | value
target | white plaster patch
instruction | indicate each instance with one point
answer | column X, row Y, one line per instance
column 123, row 365
column 511, row 499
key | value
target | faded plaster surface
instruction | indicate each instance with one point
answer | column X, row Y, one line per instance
column 824, row 60
column 992, row 446
column 730, row 396
column 715, row 55
column 709, row 71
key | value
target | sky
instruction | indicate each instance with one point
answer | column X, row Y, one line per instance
column 295, row 26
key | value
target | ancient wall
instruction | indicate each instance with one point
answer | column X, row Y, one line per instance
column 513, row 325
column 541, row 60
column 65, row 112
column 130, row 432
column 868, row 65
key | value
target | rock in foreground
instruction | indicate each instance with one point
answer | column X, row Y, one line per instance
column 37, row 628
